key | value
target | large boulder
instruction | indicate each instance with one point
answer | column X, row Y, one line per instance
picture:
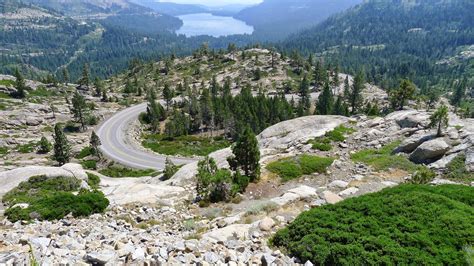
column 284, row 135
column 429, row 151
column 410, row 144
column 409, row 118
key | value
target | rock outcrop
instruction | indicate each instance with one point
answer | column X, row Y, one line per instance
column 429, row 151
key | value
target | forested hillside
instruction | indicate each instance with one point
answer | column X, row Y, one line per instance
column 42, row 41
column 430, row 42
column 276, row 19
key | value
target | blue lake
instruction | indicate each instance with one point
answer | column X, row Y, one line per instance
column 208, row 24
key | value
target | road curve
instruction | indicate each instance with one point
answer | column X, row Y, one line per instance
column 117, row 147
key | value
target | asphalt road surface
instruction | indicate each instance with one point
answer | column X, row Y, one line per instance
column 117, row 147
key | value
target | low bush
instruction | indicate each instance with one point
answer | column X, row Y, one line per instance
column 93, row 180
column 322, row 144
column 89, row 164
column 337, row 134
column 27, row 148
column 184, row 145
column 405, row 225
column 383, row 159
column 3, row 150
column 456, row 170
column 86, row 151
column 423, row 176
column 52, row 198
column 119, row 171
column 294, row 167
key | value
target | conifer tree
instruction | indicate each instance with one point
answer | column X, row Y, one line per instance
column 61, row 146
column 439, row 119
column 325, row 101
column 85, row 80
column 20, row 85
column 94, row 144
column 65, row 76
column 79, row 109
column 404, row 93
column 459, row 92
column 355, row 93
column 44, row 145
column 246, row 155
column 168, row 95
column 304, row 101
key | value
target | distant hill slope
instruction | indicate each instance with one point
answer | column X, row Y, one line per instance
column 172, row 9
column 428, row 41
column 276, row 19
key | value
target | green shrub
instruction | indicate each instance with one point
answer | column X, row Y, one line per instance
column 423, row 176
column 286, row 169
column 213, row 184
column 294, row 167
column 119, row 171
column 89, row 164
column 456, row 170
column 337, row 134
column 404, row 225
column 86, row 151
column 322, row 144
column 3, row 150
column 93, row 180
column 52, row 198
column 170, row 169
column 184, row 145
column 383, row 159
column 27, row 148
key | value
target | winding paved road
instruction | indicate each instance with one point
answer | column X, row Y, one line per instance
column 117, row 146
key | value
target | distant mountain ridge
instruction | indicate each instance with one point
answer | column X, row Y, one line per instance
column 427, row 41
column 276, row 19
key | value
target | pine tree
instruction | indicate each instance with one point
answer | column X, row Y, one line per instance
column 85, row 80
column 99, row 86
column 439, row 119
column 94, row 144
column 44, row 145
column 65, row 76
column 404, row 93
column 459, row 93
column 20, row 85
column 355, row 94
column 168, row 95
column 340, row 107
column 170, row 169
column 79, row 109
column 246, row 155
column 61, row 146
column 207, row 110
column 325, row 101
column 304, row 101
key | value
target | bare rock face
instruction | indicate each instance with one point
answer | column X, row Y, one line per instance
column 410, row 144
column 290, row 133
column 409, row 118
column 470, row 159
column 11, row 179
column 429, row 151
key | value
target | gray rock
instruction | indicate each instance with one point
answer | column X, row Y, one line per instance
column 331, row 197
column 138, row 254
column 101, row 257
column 338, row 184
column 304, row 191
column 429, row 151
column 266, row 224
column 348, row 192
column 410, row 144
column 267, row 259
column 238, row 231
column 211, row 257
column 470, row 159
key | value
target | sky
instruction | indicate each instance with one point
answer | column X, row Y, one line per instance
column 214, row 2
